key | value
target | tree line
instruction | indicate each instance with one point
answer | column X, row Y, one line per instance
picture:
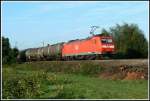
column 129, row 40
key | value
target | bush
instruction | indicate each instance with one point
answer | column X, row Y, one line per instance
column 22, row 86
column 119, row 55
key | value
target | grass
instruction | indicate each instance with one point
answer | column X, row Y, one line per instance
column 52, row 80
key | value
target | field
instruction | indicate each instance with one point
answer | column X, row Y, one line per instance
column 76, row 80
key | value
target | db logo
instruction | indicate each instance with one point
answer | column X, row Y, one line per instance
column 76, row 47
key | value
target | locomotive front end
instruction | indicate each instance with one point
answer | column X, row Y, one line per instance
column 107, row 45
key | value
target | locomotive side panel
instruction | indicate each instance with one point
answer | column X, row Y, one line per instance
column 82, row 47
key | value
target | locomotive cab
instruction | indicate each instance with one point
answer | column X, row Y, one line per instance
column 107, row 45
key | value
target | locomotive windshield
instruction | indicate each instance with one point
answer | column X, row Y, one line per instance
column 106, row 40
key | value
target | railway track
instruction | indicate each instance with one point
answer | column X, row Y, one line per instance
column 107, row 63
column 118, row 62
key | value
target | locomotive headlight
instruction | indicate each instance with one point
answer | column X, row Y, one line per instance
column 104, row 46
column 111, row 46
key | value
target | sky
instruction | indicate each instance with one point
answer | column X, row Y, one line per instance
column 34, row 24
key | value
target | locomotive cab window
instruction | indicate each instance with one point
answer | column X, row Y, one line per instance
column 109, row 40
column 106, row 40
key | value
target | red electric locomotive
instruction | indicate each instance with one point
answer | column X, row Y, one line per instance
column 90, row 48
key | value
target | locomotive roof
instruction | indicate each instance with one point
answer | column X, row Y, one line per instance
column 87, row 38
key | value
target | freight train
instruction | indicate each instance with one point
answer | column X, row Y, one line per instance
column 94, row 47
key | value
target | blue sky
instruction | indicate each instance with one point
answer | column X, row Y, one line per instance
column 28, row 24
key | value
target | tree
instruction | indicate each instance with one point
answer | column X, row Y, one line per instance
column 8, row 54
column 129, row 41
column 5, row 50
column 15, row 51
column 104, row 32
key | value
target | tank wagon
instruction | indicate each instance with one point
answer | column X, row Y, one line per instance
column 93, row 47
column 44, row 53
